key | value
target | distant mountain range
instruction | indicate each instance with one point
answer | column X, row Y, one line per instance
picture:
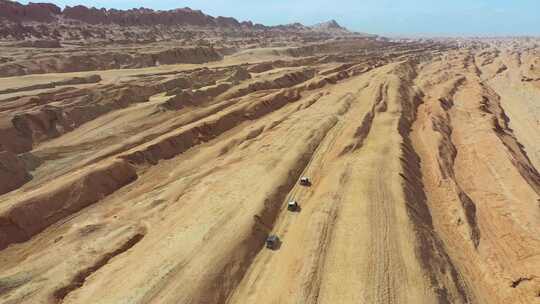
column 49, row 13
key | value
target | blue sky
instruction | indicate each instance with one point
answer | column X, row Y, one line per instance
column 385, row 17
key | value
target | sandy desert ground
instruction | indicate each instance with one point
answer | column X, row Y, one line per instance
column 127, row 181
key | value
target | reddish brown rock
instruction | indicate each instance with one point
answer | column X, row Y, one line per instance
column 13, row 172
column 39, row 12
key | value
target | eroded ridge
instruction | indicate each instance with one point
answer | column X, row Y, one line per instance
column 155, row 173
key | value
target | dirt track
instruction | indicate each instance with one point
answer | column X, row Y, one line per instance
column 161, row 186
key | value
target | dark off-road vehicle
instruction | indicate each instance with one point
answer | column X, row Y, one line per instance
column 293, row 206
column 273, row 242
column 305, row 181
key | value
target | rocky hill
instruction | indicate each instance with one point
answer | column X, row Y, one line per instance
column 331, row 26
column 49, row 13
column 38, row 12
column 46, row 20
